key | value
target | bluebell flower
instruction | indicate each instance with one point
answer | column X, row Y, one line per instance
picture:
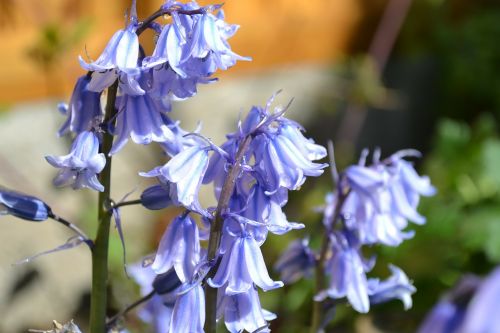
column 81, row 166
column 168, row 83
column 347, row 271
column 397, row 286
column 448, row 315
column 282, row 163
column 121, row 52
column 296, row 262
column 209, row 41
column 171, row 45
column 241, row 266
column 158, row 310
column 185, row 172
column 383, row 198
column 243, row 312
column 156, row 197
column 445, row 317
column 483, row 311
column 181, row 138
column 218, row 166
column 267, row 209
column 188, row 315
column 194, row 46
column 374, row 225
column 84, row 108
column 407, row 188
column 179, row 248
column 166, row 283
column 139, row 118
column 23, row 206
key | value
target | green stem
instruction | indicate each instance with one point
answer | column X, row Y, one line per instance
column 216, row 234
column 98, row 301
column 319, row 307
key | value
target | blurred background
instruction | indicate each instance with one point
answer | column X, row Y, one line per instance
column 394, row 74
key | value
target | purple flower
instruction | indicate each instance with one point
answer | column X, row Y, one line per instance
column 210, row 41
column 81, row 166
column 23, row 206
column 397, row 286
column 241, row 266
column 168, row 83
column 139, row 118
column 407, row 187
column 170, row 46
column 181, row 139
column 179, row 248
column 347, row 271
column 266, row 209
column 448, row 315
column 445, row 317
column 156, row 197
column 84, row 108
column 194, row 46
column 243, row 312
column 158, row 310
column 188, row 315
column 296, row 262
column 122, row 52
column 184, row 172
column 383, row 198
column 483, row 314
column 282, row 163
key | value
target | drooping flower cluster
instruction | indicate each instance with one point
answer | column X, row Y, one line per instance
column 264, row 159
column 189, row 50
column 372, row 205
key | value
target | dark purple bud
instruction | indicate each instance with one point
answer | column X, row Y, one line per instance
column 23, row 206
column 166, row 282
column 155, row 197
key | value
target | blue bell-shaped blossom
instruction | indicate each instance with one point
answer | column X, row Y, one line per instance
column 156, row 197
column 374, row 225
column 188, row 315
column 184, row 172
column 181, row 138
column 483, row 312
column 407, row 187
column 296, row 262
column 158, row 310
column 243, row 312
column 241, row 266
column 81, row 166
column 121, row 52
column 179, row 248
column 266, row 209
column 448, row 316
column 445, row 317
column 307, row 147
column 209, row 41
column 282, row 164
column 217, row 167
column 139, row 118
column 397, row 286
column 171, row 45
column 23, row 206
column 347, row 271
column 169, row 83
column 84, row 108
